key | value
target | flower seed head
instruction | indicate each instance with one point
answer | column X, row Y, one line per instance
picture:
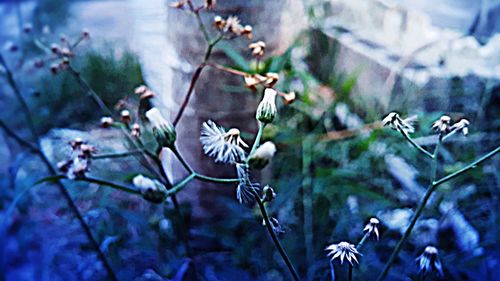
column 266, row 111
column 245, row 191
column 429, row 261
column 225, row 147
column 372, row 227
column 262, row 155
column 151, row 190
column 343, row 250
column 163, row 130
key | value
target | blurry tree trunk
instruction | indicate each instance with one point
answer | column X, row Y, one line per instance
column 171, row 46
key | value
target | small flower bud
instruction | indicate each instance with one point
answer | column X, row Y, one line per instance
column 163, row 130
column 38, row 63
column 210, row 4
column 54, row 68
column 125, row 116
column 219, row 23
column 67, row 52
column 266, row 111
column 261, row 157
column 54, row 48
column 76, row 143
column 11, row 47
column 257, row 48
column 288, row 98
column 251, row 81
column 85, row 33
column 106, row 122
column 372, row 227
column 272, row 78
column 269, row 194
column 247, row 32
column 442, row 125
column 177, row 4
column 151, row 190
column 136, row 130
column 27, row 28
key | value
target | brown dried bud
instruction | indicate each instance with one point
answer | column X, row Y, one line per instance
column 219, row 23
column 85, row 33
column 251, row 81
column 247, row 32
column 210, row 4
column 257, row 48
column 54, row 68
column 27, row 28
column 11, row 47
column 177, row 5
column 288, row 98
column 136, row 130
column 87, row 150
column 106, row 122
column 271, row 79
column 63, row 166
column 125, row 116
column 67, row 52
column 76, row 143
column 55, row 48
column 144, row 92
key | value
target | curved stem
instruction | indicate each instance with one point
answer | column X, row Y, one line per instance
column 102, row 182
column 256, row 143
column 412, row 142
column 117, row 155
column 422, row 204
column 213, row 179
column 182, row 160
column 360, row 244
column 277, row 243
column 176, row 188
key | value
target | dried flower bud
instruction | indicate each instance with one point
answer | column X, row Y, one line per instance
column 67, row 52
column 106, row 121
column 85, row 33
column 11, row 47
column 442, row 125
column 269, row 194
column 54, row 68
column 54, row 48
column 64, row 63
column 210, row 4
column 266, row 111
column 233, row 25
column 125, row 116
column 271, row 79
column 136, row 130
column 177, row 4
column 63, row 166
column 63, row 38
column 163, row 130
column 251, row 81
column 144, row 92
column 151, row 190
column 372, row 227
column 462, row 126
column 87, row 150
column 288, row 98
column 262, row 155
column 27, row 28
column 38, row 63
column 219, row 23
column 247, row 32
column 76, row 143
column 429, row 261
column 257, row 48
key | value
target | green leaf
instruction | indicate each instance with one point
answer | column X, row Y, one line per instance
column 236, row 57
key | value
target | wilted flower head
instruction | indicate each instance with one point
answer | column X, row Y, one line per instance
column 429, row 261
column 247, row 32
column 106, row 121
column 257, row 48
column 262, row 155
column 225, row 147
column 372, row 227
column 442, row 125
column 151, row 190
column 251, row 81
column 163, row 130
column 232, row 25
column 266, row 111
column 269, row 194
column 288, row 98
column 343, row 250
column 246, row 188
column 219, row 22
column 462, row 126
column 272, row 78
column 210, row 4
column 394, row 121
column 177, row 4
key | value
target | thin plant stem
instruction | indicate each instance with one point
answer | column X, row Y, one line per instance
column 227, row 69
column 362, row 241
column 117, row 155
column 256, row 143
column 276, row 242
column 182, row 160
column 412, row 142
column 53, row 171
column 349, row 276
column 102, row 182
column 307, row 201
column 176, row 188
column 217, row 180
column 432, row 187
column 194, row 79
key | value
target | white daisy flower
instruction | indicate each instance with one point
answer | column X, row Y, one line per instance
column 429, row 261
column 225, row 147
column 343, row 250
column 395, row 122
column 372, row 227
column 246, row 188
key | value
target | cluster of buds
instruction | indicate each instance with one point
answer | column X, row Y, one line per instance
column 79, row 162
column 445, row 127
column 232, row 26
column 163, row 130
column 268, row 80
column 151, row 190
column 258, row 48
column 266, row 111
column 395, row 122
column 261, row 157
column 65, row 53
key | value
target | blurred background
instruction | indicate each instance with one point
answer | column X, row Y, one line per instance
column 350, row 62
